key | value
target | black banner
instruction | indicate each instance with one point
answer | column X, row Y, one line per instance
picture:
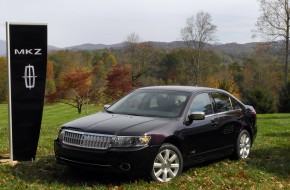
column 27, row 60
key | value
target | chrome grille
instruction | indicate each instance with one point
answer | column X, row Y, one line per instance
column 87, row 140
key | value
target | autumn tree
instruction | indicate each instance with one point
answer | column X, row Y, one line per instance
column 50, row 86
column 65, row 61
column 3, row 80
column 273, row 25
column 103, row 62
column 119, row 82
column 198, row 32
column 224, row 80
column 77, row 87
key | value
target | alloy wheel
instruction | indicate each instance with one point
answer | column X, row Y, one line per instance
column 166, row 165
column 245, row 145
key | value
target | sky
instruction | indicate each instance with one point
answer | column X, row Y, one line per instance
column 76, row 22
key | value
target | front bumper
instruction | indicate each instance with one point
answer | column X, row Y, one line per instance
column 137, row 160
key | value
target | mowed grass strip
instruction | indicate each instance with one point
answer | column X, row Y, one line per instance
column 267, row 168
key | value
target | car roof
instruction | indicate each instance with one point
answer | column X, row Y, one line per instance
column 181, row 88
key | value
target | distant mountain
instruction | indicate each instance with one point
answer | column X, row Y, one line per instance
column 94, row 46
column 226, row 48
column 229, row 48
column 52, row 48
column 3, row 48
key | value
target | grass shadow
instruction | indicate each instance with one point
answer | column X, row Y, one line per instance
column 278, row 134
column 46, row 170
column 273, row 160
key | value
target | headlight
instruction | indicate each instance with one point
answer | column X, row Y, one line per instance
column 61, row 135
column 130, row 141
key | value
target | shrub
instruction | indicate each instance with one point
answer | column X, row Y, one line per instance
column 261, row 100
column 284, row 99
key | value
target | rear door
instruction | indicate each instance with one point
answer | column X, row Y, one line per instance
column 229, row 115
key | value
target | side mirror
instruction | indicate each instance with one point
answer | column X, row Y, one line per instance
column 106, row 106
column 196, row 116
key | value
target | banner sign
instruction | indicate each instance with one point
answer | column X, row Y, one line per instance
column 27, row 60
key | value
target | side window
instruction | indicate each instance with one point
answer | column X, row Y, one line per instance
column 202, row 103
column 236, row 104
column 222, row 102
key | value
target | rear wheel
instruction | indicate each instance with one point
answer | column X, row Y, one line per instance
column 243, row 145
column 167, row 164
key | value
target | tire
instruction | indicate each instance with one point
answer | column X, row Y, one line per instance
column 167, row 164
column 243, row 145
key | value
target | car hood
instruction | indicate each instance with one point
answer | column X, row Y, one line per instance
column 116, row 124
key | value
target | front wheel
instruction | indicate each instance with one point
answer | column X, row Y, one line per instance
column 167, row 164
column 243, row 145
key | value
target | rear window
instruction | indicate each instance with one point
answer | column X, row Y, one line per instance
column 222, row 102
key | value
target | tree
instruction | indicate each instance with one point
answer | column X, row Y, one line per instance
column 224, row 80
column 77, row 86
column 168, row 68
column 3, row 80
column 119, row 82
column 141, row 56
column 284, row 99
column 273, row 24
column 197, row 33
column 261, row 100
column 50, row 87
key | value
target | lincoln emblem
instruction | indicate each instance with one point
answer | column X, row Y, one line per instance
column 29, row 76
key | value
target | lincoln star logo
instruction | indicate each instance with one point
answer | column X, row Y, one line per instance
column 29, row 76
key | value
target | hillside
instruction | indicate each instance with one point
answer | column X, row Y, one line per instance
column 229, row 48
column 3, row 48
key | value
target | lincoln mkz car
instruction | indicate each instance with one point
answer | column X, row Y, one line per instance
column 159, row 130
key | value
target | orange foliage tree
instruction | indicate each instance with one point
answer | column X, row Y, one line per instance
column 119, row 82
column 77, row 86
column 3, row 80
column 224, row 80
column 50, row 87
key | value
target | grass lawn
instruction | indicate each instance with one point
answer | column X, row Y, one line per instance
column 268, row 166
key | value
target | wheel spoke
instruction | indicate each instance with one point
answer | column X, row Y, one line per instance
column 157, row 165
column 241, row 152
column 243, row 138
column 176, row 166
column 173, row 158
column 247, row 141
column 166, row 156
column 164, row 176
column 160, row 158
column 158, row 173
column 242, row 145
column 171, row 174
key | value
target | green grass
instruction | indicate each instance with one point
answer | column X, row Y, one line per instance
column 267, row 168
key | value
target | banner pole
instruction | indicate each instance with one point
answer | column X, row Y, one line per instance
column 9, row 91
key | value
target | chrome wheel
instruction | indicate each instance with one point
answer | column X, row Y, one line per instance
column 245, row 145
column 167, row 164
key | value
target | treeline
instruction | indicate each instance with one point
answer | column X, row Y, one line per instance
column 79, row 78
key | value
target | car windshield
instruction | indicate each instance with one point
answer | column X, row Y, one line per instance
column 153, row 103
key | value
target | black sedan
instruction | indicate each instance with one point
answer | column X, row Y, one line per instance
column 159, row 130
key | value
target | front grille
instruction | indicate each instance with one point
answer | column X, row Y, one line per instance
column 87, row 140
